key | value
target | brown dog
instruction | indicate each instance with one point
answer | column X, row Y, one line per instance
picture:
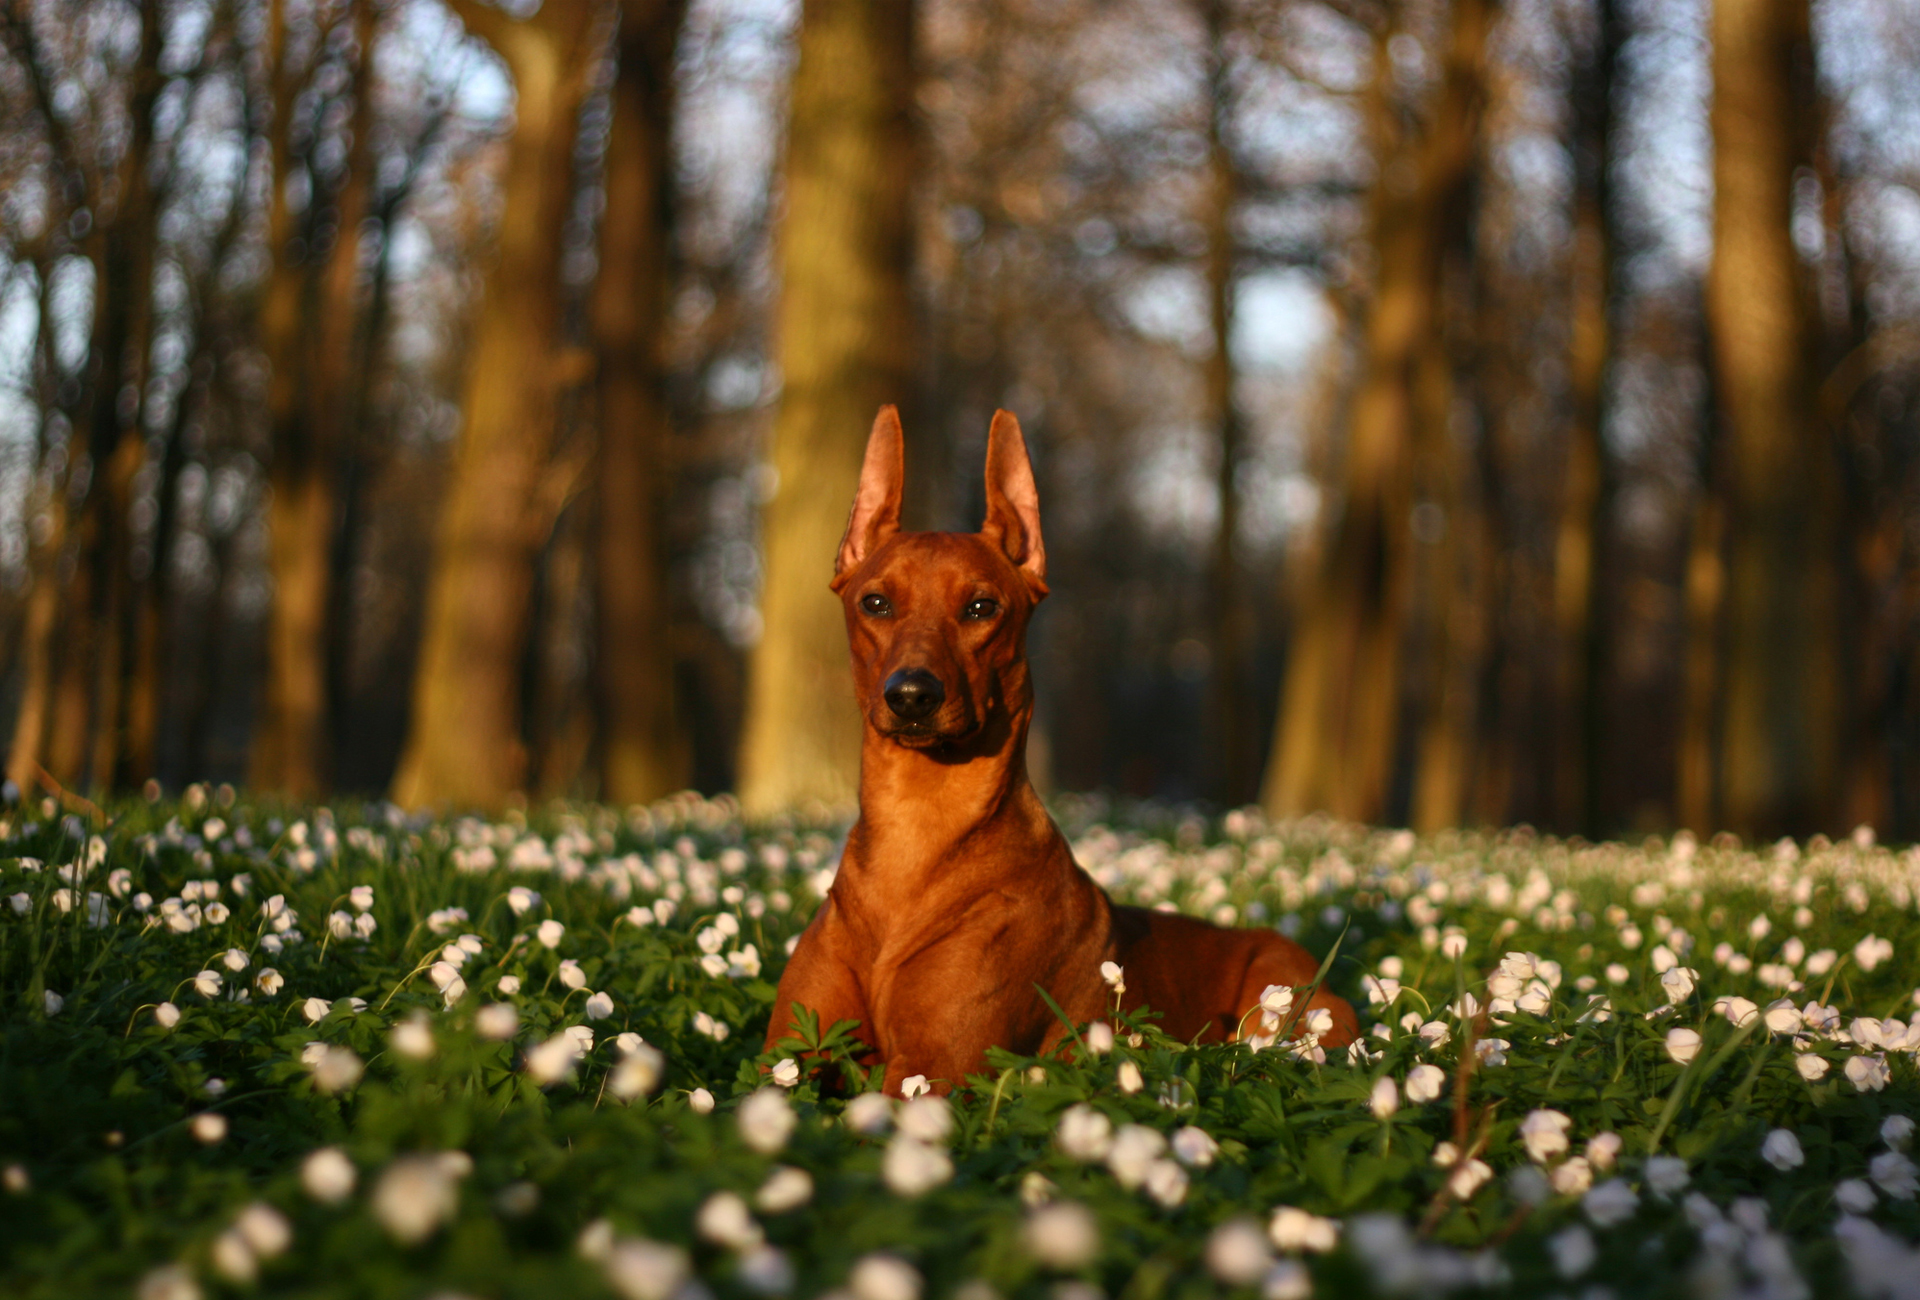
column 957, row 894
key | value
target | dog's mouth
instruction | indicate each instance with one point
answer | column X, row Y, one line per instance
column 927, row 735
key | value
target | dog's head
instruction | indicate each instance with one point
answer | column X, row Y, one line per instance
column 938, row 621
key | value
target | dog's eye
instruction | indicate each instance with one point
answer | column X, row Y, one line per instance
column 876, row 604
column 981, row 609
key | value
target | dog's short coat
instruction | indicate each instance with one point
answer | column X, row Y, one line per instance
column 956, row 893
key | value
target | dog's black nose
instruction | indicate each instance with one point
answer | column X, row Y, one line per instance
column 913, row 693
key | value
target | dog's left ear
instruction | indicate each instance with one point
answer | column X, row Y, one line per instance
column 876, row 502
column 1013, row 503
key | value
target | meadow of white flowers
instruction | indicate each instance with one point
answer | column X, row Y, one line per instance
column 248, row 1050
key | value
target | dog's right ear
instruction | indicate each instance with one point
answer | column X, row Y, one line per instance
column 876, row 502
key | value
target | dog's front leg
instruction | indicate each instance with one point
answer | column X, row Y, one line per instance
column 819, row 979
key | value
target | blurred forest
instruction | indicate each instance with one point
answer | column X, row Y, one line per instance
column 1445, row 411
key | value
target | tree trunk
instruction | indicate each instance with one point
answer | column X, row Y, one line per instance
column 313, row 316
column 464, row 743
column 644, row 753
column 1235, row 767
column 1776, row 755
column 1582, row 547
column 845, row 348
column 1337, row 735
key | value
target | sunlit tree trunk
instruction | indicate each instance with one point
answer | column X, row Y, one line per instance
column 643, row 750
column 1235, row 766
column 313, row 312
column 1582, row 546
column 1337, row 734
column 845, row 347
column 464, row 743
column 1776, row 752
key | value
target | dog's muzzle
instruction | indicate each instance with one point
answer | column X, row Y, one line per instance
column 913, row 694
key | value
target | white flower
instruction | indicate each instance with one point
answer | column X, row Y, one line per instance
column 883, row 1277
column 1129, row 1078
column 1782, row 1150
column 1573, row 1176
column 1115, row 977
column 1617, row 974
column 645, row 1270
column 599, row 1006
column 1084, row 1133
column 1380, row 992
column 911, row 1167
column 786, row 1189
column 786, row 1073
column 1855, row 1195
column 571, row 975
column 269, row 981
column 700, row 1101
column 706, row 1026
column 1665, row 1175
column 1895, row 1175
column 1544, row 1133
column 1295, row 1229
column 166, row 1015
column 1288, row 1279
column 1424, row 1083
column 315, row 1010
column 234, row 959
column 1195, row 1147
column 496, row 1021
column 766, row 1120
column 1896, row 1131
column 337, row 1069
column 1099, row 1038
column 1603, row 1149
column 1611, row 1203
column 1812, row 1068
column 1679, row 982
column 1868, row 1073
column 549, row 933
column 725, row 1220
column 582, row 1038
column 1036, row 1189
column 328, row 1175
column 1453, row 942
column 363, row 925
column 915, row 1085
column 926, row 1119
column 208, row 1127
column 340, row 925
column 1683, row 1044
column 217, row 913
column 455, row 989
column 413, row 1037
column 1782, row 1017
column 553, row 1060
column 1821, row 962
column 638, row 1073
column 361, row 896
column 522, row 900
column 1063, row 1235
column 52, row 1001
column 168, row 1282
column 1573, row 1251
column 1468, row 1177
column 869, row 1113
column 1738, row 1011
column 1132, row 1152
column 414, row 1197
column 1871, row 951
column 1384, row 1100
column 1492, row 1051
column 207, row 983
column 1167, row 1183
column 508, row 985
column 1237, row 1252
column 233, row 1259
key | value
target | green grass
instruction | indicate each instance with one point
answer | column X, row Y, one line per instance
column 112, row 1189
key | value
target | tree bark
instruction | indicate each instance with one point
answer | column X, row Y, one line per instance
column 1235, row 766
column 464, row 744
column 1582, row 546
column 1776, row 753
column 313, row 316
column 1338, row 732
column 845, row 347
column 644, row 753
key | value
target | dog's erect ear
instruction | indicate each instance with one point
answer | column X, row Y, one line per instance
column 1013, row 503
column 876, row 502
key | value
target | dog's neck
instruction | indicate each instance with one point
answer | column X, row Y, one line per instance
column 917, row 805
